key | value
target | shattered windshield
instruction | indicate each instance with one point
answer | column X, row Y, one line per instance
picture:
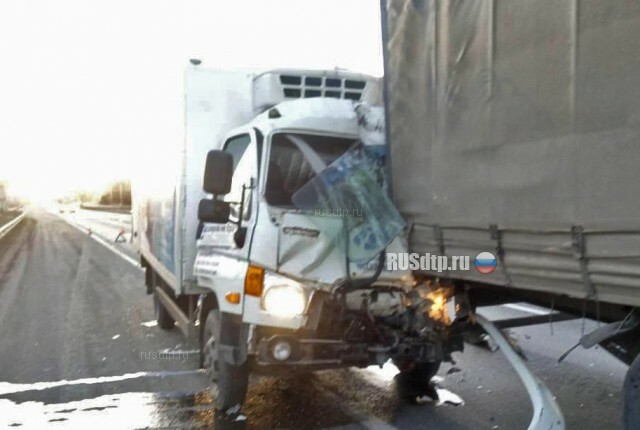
column 348, row 201
column 289, row 168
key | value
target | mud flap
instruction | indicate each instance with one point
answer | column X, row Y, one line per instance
column 546, row 413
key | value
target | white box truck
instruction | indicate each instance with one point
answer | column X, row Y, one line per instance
column 263, row 233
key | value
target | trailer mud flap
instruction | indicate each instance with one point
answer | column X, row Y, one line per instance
column 546, row 413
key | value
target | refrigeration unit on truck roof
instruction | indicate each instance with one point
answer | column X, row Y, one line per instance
column 275, row 86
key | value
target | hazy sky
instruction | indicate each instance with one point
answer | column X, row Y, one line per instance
column 86, row 87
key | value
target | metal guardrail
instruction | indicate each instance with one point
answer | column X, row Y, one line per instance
column 11, row 224
column 546, row 412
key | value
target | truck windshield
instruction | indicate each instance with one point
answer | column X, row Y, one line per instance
column 290, row 168
column 348, row 201
column 341, row 185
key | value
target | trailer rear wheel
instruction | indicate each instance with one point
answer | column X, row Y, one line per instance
column 163, row 317
column 415, row 381
column 229, row 382
column 631, row 393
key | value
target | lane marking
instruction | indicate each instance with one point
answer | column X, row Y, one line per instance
column 104, row 243
column 117, row 251
column 527, row 309
column 12, row 388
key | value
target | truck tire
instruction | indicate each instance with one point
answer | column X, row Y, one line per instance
column 415, row 381
column 631, row 396
column 229, row 382
column 163, row 317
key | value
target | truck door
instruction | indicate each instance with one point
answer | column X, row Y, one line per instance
column 244, row 150
column 223, row 249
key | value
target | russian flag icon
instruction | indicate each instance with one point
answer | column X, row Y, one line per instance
column 485, row 262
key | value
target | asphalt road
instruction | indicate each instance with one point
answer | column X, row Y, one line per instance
column 78, row 349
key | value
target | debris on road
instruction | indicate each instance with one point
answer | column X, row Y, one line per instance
column 151, row 323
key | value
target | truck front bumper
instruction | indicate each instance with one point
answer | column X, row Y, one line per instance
column 304, row 352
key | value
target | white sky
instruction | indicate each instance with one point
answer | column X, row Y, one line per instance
column 87, row 86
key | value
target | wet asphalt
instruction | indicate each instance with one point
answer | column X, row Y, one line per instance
column 79, row 349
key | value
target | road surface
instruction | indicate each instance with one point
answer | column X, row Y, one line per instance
column 79, row 349
column 7, row 216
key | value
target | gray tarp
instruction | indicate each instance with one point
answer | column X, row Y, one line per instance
column 522, row 115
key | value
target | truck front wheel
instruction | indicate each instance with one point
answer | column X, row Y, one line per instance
column 229, row 382
column 414, row 380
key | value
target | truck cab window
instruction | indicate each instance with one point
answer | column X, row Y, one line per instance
column 244, row 166
column 288, row 168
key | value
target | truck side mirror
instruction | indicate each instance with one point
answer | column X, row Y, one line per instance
column 218, row 171
column 216, row 211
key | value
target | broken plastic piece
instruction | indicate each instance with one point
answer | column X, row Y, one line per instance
column 603, row 333
column 354, row 185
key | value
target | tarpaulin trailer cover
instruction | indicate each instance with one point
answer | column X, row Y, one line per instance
column 514, row 128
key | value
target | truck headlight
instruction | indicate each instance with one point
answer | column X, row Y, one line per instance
column 283, row 296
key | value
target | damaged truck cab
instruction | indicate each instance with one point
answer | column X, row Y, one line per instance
column 282, row 268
